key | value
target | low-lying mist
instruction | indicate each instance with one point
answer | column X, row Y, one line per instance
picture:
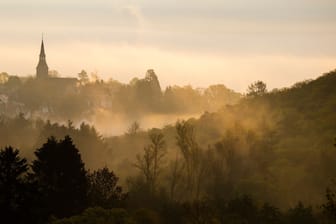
column 112, row 124
column 110, row 106
column 213, row 143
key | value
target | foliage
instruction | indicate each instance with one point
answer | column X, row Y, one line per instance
column 61, row 177
column 301, row 214
column 270, row 214
column 192, row 155
column 52, row 169
column 103, row 189
column 77, row 99
column 329, row 207
column 83, row 77
column 146, row 216
column 257, row 88
column 13, row 188
column 98, row 216
column 247, row 163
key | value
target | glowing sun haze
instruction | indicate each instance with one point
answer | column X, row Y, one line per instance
column 186, row 42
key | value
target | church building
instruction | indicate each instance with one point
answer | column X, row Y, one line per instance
column 42, row 74
column 57, row 85
column 42, row 67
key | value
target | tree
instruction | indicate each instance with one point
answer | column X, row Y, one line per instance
column 83, row 77
column 301, row 214
column 199, row 212
column 329, row 207
column 223, row 162
column 61, row 178
column 98, row 216
column 103, row 189
column 262, row 151
column 269, row 214
column 133, row 129
column 242, row 209
column 175, row 174
column 146, row 216
column 192, row 155
column 257, row 88
column 153, row 80
column 12, row 185
column 217, row 96
column 149, row 89
column 150, row 162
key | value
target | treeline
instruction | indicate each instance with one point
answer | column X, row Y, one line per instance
column 27, row 134
column 56, row 188
column 54, row 184
column 77, row 99
column 280, row 142
column 274, row 146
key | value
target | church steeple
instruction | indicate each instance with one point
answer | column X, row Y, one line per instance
column 42, row 67
column 42, row 53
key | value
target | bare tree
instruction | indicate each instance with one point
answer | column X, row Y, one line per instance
column 192, row 155
column 133, row 129
column 174, row 176
column 150, row 162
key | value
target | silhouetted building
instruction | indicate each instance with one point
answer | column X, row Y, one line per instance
column 42, row 72
column 42, row 67
column 53, row 84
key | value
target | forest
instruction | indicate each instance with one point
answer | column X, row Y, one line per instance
column 266, row 156
column 95, row 101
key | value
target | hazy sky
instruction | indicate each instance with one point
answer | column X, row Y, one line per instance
column 193, row 42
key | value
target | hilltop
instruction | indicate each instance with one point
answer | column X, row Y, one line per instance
column 276, row 146
column 284, row 138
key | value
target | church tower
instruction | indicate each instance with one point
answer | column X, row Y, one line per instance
column 42, row 67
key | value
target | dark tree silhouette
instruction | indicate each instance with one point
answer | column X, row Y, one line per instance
column 329, row 207
column 103, row 189
column 98, row 216
column 242, row 210
column 269, row 214
column 61, row 177
column 257, row 88
column 12, row 185
column 301, row 214
column 199, row 212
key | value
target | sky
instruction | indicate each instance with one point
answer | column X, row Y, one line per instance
column 189, row 42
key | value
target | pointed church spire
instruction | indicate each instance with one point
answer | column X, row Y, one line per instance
column 42, row 53
column 42, row 67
